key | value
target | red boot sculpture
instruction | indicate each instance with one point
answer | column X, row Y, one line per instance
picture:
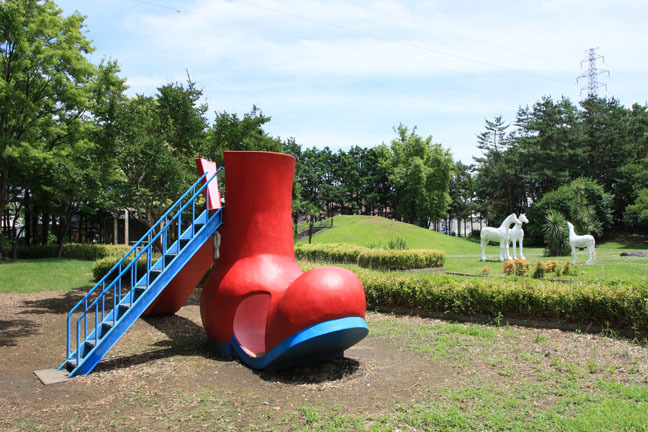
column 257, row 303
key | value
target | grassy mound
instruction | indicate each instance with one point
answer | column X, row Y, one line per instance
column 368, row 230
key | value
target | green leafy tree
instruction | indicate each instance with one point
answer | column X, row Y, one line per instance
column 631, row 180
column 583, row 201
column 45, row 82
column 154, row 141
column 461, row 193
column 420, row 172
column 636, row 214
column 229, row 132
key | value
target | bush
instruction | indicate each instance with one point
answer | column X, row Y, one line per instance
column 81, row 251
column 520, row 267
column 103, row 266
column 401, row 259
column 398, row 243
column 581, row 198
column 555, row 233
column 370, row 258
column 550, row 266
column 507, row 268
column 332, row 252
column 569, row 269
column 622, row 305
column 5, row 247
column 539, row 270
column 485, row 271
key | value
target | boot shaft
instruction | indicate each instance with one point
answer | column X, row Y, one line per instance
column 257, row 214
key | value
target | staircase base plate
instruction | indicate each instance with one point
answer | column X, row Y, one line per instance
column 51, row 376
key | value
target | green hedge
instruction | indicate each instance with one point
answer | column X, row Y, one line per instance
column 401, row 259
column 621, row 305
column 382, row 259
column 102, row 266
column 82, row 251
column 331, row 252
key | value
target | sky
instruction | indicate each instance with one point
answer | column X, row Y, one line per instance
column 340, row 73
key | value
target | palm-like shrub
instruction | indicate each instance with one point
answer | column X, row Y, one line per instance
column 555, row 233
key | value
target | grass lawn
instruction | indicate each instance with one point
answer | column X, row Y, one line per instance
column 508, row 378
column 50, row 274
column 464, row 256
column 444, row 375
column 512, row 379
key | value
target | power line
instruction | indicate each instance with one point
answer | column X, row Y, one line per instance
column 408, row 44
column 282, row 33
column 592, row 72
column 351, row 30
column 446, row 12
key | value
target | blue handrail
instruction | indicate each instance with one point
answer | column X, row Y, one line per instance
column 116, row 284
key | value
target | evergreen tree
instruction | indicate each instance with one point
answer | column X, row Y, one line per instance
column 494, row 183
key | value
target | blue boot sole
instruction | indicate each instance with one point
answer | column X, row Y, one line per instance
column 317, row 343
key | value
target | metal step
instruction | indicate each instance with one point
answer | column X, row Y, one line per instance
column 120, row 319
column 169, row 257
column 122, row 308
column 138, row 291
column 153, row 274
column 105, row 328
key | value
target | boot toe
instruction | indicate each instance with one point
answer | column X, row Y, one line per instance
column 319, row 295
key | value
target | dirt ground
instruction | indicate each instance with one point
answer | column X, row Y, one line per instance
column 162, row 375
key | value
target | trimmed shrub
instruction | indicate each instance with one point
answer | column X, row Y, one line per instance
column 81, row 251
column 520, row 267
column 569, row 269
column 382, row 259
column 550, row 266
column 539, row 270
column 485, row 271
column 623, row 305
column 401, row 259
column 330, row 252
column 103, row 266
column 507, row 268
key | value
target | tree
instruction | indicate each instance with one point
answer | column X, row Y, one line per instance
column 44, row 80
column 583, row 201
column 154, row 141
column 606, row 138
column 420, row 172
column 461, row 193
column 229, row 132
column 182, row 122
column 548, row 144
column 636, row 214
column 496, row 184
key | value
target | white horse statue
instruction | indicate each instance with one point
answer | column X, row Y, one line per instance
column 581, row 241
column 516, row 235
column 500, row 235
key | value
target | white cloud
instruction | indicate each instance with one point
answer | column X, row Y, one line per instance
column 346, row 71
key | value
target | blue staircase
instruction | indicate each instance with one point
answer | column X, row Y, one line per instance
column 109, row 309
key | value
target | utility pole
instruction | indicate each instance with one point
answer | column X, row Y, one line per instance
column 592, row 72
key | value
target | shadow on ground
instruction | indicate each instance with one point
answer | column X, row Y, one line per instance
column 318, row 373
column 185, row 338
column 12, row 330
column 57, row 305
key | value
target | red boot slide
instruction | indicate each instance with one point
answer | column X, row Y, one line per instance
column 257, row 303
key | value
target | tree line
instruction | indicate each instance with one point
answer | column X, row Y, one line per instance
column 75, row 149
column 588, row 161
